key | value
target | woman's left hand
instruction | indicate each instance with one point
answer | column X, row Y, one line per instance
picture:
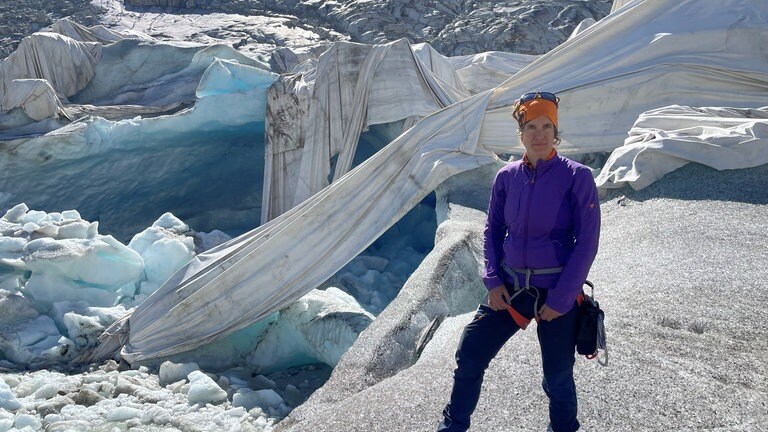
column 546, row 313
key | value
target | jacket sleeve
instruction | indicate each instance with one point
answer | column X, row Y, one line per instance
column 585, row 207
column 495, row 231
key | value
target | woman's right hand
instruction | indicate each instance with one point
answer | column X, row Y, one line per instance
column 498, row 298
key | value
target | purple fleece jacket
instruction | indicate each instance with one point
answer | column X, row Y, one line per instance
column 542, row 218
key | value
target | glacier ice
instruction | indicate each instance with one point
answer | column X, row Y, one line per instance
column 15, row 307
column 60, row 283
column 60, row 291
column 27, row 422
column 204, row 390
column 34, row 342
column 73, row 269
column 173, row 372
column 7, row 400
column 319, row 327
column 266, row 399
column 164, row 247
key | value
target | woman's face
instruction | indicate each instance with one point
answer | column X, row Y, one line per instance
column 538, row 138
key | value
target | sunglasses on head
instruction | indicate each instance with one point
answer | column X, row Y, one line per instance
column 539, row 95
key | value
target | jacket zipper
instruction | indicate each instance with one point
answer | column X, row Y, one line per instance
column 527, row 218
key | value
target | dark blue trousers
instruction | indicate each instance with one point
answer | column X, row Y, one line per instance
column 481, row 341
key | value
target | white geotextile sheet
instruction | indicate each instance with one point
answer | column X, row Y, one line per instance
column 668, row 138
column 323, row 114
column 647, row 55
column 484, row 71
column 617, row 4
column 67, row 65
column 97, row 33
column 35, row 96
column 260, row 272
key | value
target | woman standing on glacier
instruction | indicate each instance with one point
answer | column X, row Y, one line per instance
column 541, row 237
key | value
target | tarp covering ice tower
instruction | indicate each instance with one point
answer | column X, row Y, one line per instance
column 645, row 55
column 351, row 91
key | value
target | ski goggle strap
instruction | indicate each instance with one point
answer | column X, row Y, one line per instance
column 535, row 104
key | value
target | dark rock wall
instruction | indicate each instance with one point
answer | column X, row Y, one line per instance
column 453, row 27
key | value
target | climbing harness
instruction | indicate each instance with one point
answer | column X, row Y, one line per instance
column 521, row 320
column 590, row 338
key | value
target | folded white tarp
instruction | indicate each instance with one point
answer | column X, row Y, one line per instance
column 668, row 138
column 35, row 96
column 65, row 63
column 646, row 55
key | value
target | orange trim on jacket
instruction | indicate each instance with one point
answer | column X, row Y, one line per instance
column 527, row 161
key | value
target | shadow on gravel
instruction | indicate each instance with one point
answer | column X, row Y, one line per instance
column 698, row 182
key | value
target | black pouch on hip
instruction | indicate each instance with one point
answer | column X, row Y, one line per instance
column 590, row 338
